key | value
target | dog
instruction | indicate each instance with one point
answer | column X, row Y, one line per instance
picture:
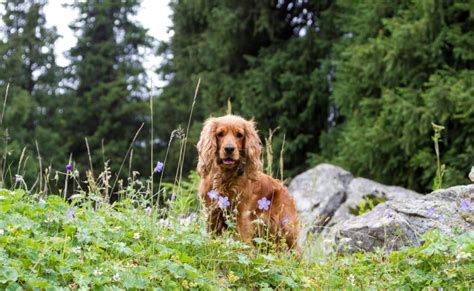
column 233, row 183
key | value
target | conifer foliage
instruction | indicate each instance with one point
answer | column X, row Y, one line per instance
column 28, row 67
column 266, row 57
column 356, row 83
column 405, row 65
column 109, row 93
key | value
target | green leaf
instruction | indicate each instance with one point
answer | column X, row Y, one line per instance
column 8, row 274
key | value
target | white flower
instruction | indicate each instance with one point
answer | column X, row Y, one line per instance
column 328, row 241
column 148, row 210
column 2, row 197
column 351, row 278
column 76, row 250
column 188, row 219
column 2, row 232
column 41, row 201
column 471, row 174
column 136, row 235
column 97, row 272
column 116, row 277
column 163, row 222
column 462, row 256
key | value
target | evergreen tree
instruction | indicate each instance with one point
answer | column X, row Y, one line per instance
column 110, row 99
column 267, row 57
column 401, row 66
column 28, row 65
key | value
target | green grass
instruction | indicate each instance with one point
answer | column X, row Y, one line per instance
column 123, row 246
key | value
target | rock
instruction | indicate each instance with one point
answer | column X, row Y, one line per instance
column 337, row 208
column 328, row 195
column 319, row 192
column 399, row 222
column 361, row 190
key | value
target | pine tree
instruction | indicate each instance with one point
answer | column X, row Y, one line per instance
column 28, row 65
column 109, row 101
column 267, row 57
column 401, row 66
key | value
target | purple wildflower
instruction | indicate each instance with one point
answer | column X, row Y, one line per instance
column 223, row 202
column 159, row 167
column 466, row 205
column 285, row 220
column 18, row 179
column 389, row 215
column 441, row 217
column 69, row 168
column 213, row 194
column 148, row 210
column 388, row 251
column 263, row 204
column 431, row 212
column 70, row 213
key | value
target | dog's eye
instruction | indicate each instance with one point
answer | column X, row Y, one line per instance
column 220, row 134
column 239, row 135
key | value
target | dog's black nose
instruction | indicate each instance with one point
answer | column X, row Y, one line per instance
column 229, row 149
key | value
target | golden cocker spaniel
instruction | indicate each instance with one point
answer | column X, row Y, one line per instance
column 232, row 183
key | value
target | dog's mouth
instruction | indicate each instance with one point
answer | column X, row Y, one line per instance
column 228, row 161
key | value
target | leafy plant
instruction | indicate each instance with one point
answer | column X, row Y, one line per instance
column 440, row 168
column 184, row 199
column 367, row 204
column 47, row 244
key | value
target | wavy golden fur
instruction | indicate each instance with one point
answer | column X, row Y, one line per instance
column 230, row 168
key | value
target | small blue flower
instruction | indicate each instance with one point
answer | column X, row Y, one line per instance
column 441, row 218
column 431, row 212
column 223, row 202
column 466, row 205
column 285, row 220
column 263, row 204
column 70, row 213
column 213, row 194
column 389, row 215
column 69, row 168
column 18, row 179
column 159, row 167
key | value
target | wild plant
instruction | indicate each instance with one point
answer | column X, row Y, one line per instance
column 155, row 238
column 440, row 168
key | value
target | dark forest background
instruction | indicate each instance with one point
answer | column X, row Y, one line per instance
column 354, row 83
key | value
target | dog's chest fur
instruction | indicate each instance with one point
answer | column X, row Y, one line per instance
column 229, row 185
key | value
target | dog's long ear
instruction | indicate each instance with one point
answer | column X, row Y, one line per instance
column 253, row 150
column 207, row 147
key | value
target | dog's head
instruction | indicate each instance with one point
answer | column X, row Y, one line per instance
column 230, row 142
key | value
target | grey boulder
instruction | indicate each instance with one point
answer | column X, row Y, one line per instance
column 397, row 223
column 336, row 208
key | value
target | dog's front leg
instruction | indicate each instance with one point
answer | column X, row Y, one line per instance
column 215, row 222
column 244, row 226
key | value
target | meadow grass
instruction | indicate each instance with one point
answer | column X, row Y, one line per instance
column 53, row 244
column 156, row 239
